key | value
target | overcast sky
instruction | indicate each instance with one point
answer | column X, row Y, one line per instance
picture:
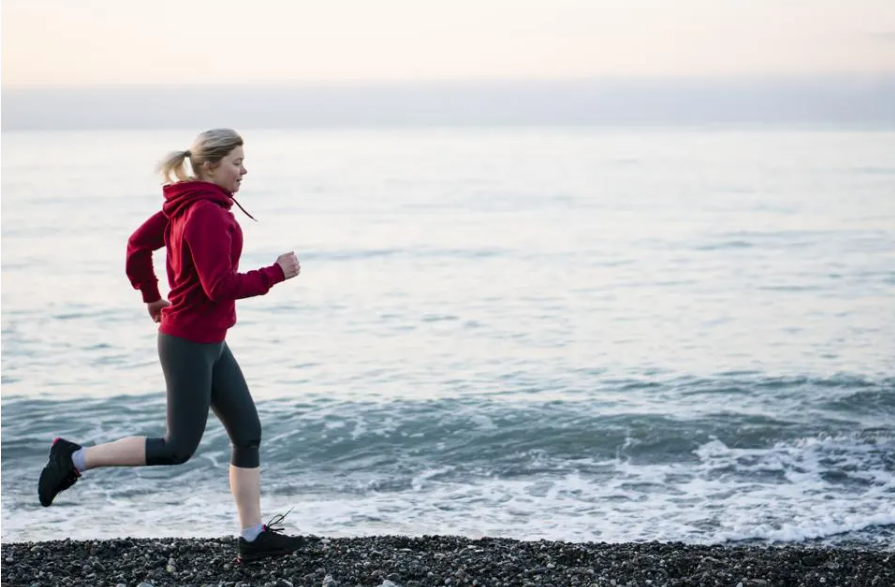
column 685, row 51
column 88, row 42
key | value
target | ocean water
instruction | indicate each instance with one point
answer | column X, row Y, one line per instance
column 580, row 334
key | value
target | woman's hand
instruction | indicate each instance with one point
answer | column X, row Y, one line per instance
column 288, row 262
column 155, row 309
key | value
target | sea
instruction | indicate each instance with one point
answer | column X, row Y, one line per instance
column 607, row 334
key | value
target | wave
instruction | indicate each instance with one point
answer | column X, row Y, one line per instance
column 715, row 467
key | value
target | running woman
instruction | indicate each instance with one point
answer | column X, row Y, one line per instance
column 203, row 244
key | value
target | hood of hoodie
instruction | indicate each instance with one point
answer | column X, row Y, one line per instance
column 182, row 195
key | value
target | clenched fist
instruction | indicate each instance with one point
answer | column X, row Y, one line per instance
column 288, row 262
column 155, row 309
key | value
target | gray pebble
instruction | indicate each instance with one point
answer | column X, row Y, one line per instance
column 401, row 561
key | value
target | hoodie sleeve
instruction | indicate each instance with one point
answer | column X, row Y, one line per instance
column 149, row 237
column 208, row 234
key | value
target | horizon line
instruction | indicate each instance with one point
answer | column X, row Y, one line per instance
column 465, row 81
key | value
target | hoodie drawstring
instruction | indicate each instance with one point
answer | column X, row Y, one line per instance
column 243, row 209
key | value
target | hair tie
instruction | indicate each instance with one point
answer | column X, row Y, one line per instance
column 187, row 153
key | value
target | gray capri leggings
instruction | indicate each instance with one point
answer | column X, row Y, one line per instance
column 200, row 376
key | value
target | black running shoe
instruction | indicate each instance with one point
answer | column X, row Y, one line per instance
column 59, row 473
column 270, row 542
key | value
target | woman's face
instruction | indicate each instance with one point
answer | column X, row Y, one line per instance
column 229, row 171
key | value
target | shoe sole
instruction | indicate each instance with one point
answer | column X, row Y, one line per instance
column 43, row 502
column 255, row 559
column 43, row 473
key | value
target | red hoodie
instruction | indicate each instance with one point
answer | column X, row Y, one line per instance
column 204, row 243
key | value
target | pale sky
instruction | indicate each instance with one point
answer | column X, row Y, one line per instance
column 167, row 42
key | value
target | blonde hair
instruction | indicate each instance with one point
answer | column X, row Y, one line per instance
column 209, row 147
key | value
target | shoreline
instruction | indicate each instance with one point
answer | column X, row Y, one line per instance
column 401, row 561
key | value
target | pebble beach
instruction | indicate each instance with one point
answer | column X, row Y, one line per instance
column 398, row 561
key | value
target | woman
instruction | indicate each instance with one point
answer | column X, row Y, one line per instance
column 204, row 243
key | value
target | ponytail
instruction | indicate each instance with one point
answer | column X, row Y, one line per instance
column 174, row 163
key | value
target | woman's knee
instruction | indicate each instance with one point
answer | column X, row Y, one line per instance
column 180, row 455
column 245, row 447
column 249, row 435
column 163, row 451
